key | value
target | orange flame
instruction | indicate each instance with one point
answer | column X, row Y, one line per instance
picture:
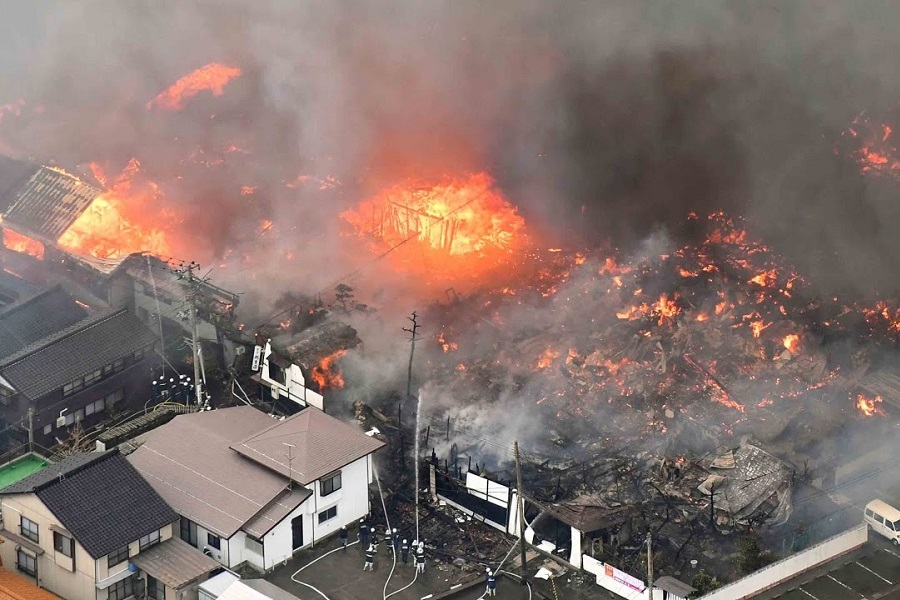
column 212, row 77
column 104, row 230
column 326, row 374
column 791, row 342
column 20, row 243
column 445, row 345
column 869, row 406
column 547, row 358
column 455, row 223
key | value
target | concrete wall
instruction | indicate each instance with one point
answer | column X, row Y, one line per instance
column 793, row 565
column 53, row 572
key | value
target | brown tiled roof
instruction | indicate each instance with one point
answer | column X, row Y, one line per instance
column 15, row 587
column 277, row 509
column 319, row 444
column 189, row 463
column 174, row 562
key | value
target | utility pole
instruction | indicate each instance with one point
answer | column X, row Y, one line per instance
column 30, row 427
column 412, row 331
column 521, row 510
column 649, row 565
column 186, row 272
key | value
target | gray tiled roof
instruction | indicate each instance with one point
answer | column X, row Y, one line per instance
column 189, row 462
column 49, row 202
column 75, row 352
column 13, row 174
column 101, row 499
column 32, row 319
column 320, row 444
column 174, row 562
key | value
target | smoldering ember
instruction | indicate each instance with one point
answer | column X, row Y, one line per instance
column 610, row 289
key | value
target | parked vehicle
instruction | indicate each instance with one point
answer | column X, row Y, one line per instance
column 884, row 519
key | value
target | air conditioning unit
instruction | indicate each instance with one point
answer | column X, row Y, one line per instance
column 60, row 422
column 212, row 552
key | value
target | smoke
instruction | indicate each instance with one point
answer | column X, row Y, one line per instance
column 609, row 120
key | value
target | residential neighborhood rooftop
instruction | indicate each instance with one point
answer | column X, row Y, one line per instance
column 36, row 317
column 15, row 587
column 99, row 498
column 319, row 445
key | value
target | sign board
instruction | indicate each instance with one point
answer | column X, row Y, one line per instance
column 257, row 354
column 623, row 578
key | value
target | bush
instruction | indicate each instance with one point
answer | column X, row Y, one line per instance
column 705, row 583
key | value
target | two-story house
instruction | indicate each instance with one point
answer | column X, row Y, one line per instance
column 91, row 528
column 252, row 489
column 64, row 361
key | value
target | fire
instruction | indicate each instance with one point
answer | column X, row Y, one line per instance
column 445, row 345
column 212, row 77
column 326, row 374
column 765, row 279
column 106, row 230
column 757, row 327
column 456, row 223
column 546, row 359
column 791, row 342
column 869, row 406
column 21, row 243
column 874, row 150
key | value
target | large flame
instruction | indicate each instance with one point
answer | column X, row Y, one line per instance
column 456, row 223
column 326, row 374
column 869, row 406
column 21, row 243
column 109, row 227
column 212, row 77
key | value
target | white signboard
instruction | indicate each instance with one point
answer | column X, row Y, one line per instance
column 257, row 354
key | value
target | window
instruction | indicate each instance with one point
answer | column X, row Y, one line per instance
column 330, row 484
column 29, row 529
column 48, row 428
column 70, row 418
column 114, row 398
column 120, row 590
column 63, row 544
column 148, row 540
column 117, row 556
column 26, row 563
column 214, row 541
column 189, row 532
column 119, row 365
column 92, row 378
column 277, row 374
column 73, row 387
column 94, row 407
column 325, row 515
column 155, row 589
column 879, row 519
column 79, row 414
column 5, row 395
column 139, row 355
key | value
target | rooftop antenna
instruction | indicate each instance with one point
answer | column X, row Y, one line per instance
column 290, row 448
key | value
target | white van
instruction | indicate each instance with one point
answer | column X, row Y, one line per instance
column 884, row 519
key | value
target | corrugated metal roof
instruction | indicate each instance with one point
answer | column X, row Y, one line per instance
column 189, row 462
column 320, row 444
column 49, row 202
column 174, row 562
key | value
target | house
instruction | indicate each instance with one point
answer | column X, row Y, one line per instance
column 251, row 489
column 15, row 587
column 91, row 528
column 285, row 380
column 64, row 361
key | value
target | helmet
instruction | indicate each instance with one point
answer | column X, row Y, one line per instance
column 395, row 530
column 361, row 521
column 404, row 541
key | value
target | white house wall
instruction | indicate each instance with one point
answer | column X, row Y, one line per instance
column 278, row 542
column 294, row 388
column 222, row 556
column 352, row 500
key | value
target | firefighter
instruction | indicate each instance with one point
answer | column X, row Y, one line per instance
column 395, row 540
column 363, row 535
column 375, row 539
column 420, row 558
column 491, row 584
column 370, row 558
column 344, row 536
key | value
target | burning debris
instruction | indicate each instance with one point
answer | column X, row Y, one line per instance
column 463, row 225
column 212, row 77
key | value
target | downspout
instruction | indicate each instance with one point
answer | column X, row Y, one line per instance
column 315, row 511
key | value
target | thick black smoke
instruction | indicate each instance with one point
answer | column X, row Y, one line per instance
column 609, row 120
